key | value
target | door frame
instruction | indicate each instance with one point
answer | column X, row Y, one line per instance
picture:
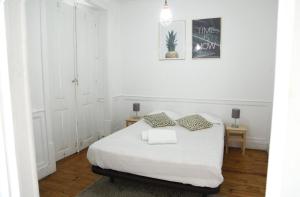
column 15, row 107
column 46, row 89
column 281, row 123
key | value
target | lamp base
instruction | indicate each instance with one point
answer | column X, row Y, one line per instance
column 235, row 124
column 136, row 115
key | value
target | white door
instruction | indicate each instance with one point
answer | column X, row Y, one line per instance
column 87, row 72
column 61, row 37
column 77, row 107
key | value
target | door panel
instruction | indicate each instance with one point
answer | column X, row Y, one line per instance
column 61, row 68
column 41, row 144
column 87, row 57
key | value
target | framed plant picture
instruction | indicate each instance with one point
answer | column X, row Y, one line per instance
column 207, row 38
column 172, row 41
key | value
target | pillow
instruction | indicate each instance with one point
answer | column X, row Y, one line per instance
column 159, row 120
column 194, row 122
column 211, row 118
column 170, row 114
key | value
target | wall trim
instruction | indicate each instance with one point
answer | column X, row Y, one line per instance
column 100, row 100
column 243, row 102
column 35, row 111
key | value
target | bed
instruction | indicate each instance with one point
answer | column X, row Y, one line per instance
column 194, row 163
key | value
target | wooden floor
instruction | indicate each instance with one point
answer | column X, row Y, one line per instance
column 244, row 176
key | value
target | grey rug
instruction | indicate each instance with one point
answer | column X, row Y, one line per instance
column 126, row 188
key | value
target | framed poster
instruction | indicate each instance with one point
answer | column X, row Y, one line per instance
column 207, row 38
column 172, row 41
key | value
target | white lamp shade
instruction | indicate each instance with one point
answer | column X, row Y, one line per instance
column 166, row 16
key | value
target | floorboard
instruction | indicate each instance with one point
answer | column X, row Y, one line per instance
column 245, row 176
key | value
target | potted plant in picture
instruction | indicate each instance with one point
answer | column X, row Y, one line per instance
column 171, row 44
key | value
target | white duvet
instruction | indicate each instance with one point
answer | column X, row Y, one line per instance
column 195, row 159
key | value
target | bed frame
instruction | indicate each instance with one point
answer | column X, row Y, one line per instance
column 205, row 191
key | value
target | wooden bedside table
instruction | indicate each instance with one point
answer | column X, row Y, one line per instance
column 239, row 135
column 131, row 120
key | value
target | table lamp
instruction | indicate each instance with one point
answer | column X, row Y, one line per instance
column 236, row 115
column 136, row 108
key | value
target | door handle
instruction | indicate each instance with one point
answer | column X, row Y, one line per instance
column 75, row 81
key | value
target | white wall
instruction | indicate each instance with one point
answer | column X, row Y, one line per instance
column 244, row 71
column 34, row 53
column 284, row 160
column 20, row 99
column 112, row 70
column 292, row 156
column 242, row 77
column 9, row 180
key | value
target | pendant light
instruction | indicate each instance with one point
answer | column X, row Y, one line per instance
column 166, row 16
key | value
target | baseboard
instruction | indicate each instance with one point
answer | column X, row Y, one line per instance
column 255, row 143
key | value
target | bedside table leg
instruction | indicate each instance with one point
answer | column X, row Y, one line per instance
column 226, row 145
column 244, row 144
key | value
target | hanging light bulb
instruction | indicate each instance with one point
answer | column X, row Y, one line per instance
column 166, row 16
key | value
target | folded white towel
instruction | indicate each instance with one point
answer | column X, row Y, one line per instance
column 145, row 135
column 161, row 136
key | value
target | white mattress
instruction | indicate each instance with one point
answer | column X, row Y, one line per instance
column 196, row 159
